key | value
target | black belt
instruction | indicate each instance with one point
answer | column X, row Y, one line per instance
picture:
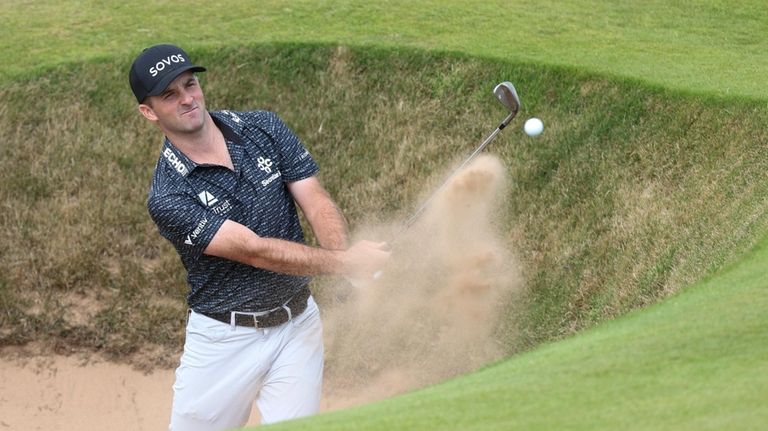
column 267, row 319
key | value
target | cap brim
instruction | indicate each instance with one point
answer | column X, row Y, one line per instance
column 166, row 81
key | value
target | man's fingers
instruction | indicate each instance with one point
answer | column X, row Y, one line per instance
column 366, row 258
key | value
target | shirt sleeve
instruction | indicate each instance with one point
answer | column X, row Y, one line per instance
column 185, row 222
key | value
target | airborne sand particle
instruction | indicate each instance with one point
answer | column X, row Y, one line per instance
column 433, row 315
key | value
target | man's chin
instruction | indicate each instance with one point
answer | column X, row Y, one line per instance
column 192, row 121
column 193, row 115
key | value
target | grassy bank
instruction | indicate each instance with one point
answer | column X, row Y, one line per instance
column 631, row 193
column 700, row 46
column 695, row 362
column 649, row 176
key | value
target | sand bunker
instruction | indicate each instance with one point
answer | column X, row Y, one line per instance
column 66, row 394
column 433, row 315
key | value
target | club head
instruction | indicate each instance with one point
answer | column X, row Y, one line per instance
column 507, row 95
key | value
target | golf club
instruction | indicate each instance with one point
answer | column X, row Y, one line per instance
column 506, row 94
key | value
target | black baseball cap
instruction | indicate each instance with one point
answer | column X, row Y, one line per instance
column 156, row 67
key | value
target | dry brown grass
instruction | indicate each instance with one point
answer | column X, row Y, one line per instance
column 629, row 195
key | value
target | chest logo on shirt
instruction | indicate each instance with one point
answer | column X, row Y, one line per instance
column 207, row 198
column 265, row 164
column 210, row 200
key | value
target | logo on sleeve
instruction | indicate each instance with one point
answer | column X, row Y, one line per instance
column 195, row 233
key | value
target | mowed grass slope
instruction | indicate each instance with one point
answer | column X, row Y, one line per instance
column 640, row 186
column 695, row 362
column 706, row 46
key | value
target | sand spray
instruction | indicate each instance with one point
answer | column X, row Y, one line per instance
column 435, row 311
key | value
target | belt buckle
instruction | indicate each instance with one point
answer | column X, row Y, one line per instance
column 254, row 316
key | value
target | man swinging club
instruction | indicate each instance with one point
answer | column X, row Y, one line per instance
column 224, row 193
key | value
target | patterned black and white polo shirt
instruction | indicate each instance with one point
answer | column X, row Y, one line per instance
column 190, row 202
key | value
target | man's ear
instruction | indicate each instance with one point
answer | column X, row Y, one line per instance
column 147, row 112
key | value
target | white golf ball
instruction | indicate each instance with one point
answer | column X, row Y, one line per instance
column 533, row 127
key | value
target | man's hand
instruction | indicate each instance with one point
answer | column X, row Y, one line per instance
column 364, row 259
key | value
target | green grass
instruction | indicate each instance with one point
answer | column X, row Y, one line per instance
column 695, row 362
column 648, row 178
column 707, row 46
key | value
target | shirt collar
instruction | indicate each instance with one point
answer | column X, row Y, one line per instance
column 177, row 160
column 230, row 124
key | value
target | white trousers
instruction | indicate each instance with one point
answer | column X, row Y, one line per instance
column 225, row 369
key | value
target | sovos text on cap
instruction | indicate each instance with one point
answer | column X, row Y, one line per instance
column 154, row 69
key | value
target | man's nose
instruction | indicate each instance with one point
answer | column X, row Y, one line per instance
column 186, row 97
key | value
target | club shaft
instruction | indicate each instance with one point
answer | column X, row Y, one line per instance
column 455, row 172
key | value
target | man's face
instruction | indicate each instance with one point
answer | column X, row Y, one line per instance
column 180, row 109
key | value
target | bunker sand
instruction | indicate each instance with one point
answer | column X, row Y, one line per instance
column 67, row 393
column 434, row 315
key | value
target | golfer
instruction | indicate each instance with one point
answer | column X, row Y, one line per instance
column 224, row 193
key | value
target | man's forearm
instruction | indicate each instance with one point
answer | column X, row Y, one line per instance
column 236, row 242
column 289, row 257
column 329, row 226
column 325, row 218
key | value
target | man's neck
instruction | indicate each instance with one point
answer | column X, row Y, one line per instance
column 206, row 146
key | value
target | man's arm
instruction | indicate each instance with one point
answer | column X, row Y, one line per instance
column 325, row 218
column 236, row 242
